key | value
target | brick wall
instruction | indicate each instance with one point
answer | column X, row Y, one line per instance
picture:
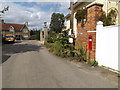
column 90, row 25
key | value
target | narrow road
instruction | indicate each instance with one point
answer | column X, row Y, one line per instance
column 29, row 65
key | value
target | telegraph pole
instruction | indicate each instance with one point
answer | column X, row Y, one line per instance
column 71, row 26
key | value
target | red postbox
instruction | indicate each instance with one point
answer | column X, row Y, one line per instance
column 90, row 42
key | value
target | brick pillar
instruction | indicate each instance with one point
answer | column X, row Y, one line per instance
column 82, row 35
column 41, row 36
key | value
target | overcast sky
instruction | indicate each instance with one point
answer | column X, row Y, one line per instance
column 36, row 13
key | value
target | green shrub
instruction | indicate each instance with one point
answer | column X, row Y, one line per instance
column 58, row 44
column 81, row 16
column 58, row 49
column 34, row 37
column 111, row 17
column 93, row 62
column 80, row 52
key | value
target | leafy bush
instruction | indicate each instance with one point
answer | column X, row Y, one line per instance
column 110, row 19
column 80, row 52
column 58, row 44
column 57, row 48
column 34, row 35
column 81, row 16
column 51, row 38
column 93, row 62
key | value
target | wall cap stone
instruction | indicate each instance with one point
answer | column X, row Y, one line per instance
column 99, row 23
column 97, row 4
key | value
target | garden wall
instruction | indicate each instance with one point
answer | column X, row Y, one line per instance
column 107, row 46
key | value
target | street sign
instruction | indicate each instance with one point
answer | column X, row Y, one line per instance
column 70, row 40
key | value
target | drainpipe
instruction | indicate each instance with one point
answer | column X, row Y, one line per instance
column 106, row 7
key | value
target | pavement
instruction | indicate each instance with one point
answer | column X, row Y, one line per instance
column 28, row 64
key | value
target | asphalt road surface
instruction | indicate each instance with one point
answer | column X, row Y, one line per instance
column 27, row 64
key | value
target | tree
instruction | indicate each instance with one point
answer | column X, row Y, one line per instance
column 57, row 22
column 110, row 19
column 81, row 16
column 35, row 34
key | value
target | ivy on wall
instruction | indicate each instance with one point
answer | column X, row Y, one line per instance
column 110, row 18
column 81, row 16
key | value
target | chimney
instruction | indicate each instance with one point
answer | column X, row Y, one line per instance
column 1, row 21
column 26, row 23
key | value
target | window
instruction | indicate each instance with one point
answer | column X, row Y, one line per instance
column 25, row 36
column 25, row 30
column 9, row 36
column 11, row 30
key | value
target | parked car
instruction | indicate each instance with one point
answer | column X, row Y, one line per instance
column 9, row 39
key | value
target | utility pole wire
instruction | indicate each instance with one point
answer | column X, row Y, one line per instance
column 71, row 26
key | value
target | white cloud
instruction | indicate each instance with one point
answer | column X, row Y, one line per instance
column 64, row 6
column 59, row 7
column 21, row 14
column 34, row 15
column 35, row 0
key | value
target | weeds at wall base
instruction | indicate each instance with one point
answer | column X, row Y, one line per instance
column 93, row 63
column 118, row 75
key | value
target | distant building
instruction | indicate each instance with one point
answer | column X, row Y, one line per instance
column 19, row 31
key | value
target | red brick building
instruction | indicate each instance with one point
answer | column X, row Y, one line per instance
column 19, row 31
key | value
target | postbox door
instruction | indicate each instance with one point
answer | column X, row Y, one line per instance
column 90, row 42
